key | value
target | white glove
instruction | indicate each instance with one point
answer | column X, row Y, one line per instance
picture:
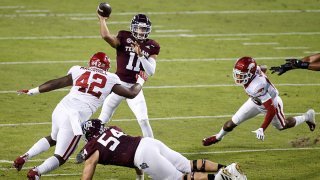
column 259, row 133
column 29, row 92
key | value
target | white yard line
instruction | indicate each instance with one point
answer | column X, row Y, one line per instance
column 173, row 30
column 151, row 119
column 181, row 86
column 11, row 7
column 199, row 153
column 231, row 39
column 260, row 43
column 33, row 11
column 167, row 36
column 289, row 48
column 162, row 13
column 158, row 60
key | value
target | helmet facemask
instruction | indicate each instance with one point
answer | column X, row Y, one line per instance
column 140, row 26
column 241, row 77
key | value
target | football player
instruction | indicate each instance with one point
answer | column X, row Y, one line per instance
column 135, row 52
column 263, row 98
column 90, row 86
column 111, row 146
column 309, row 62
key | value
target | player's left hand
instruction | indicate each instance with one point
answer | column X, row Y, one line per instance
column 143, row 75
column 282, row 68
column 137, row 48
column 259, row 133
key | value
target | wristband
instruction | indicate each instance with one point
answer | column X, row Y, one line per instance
column 33, row 91
column 140, row 81
column 304, row 65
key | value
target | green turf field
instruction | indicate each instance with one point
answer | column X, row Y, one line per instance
column 192, row 93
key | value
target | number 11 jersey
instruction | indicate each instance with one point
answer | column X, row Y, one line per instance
column 128, row 64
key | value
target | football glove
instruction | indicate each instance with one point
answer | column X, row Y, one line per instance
column 29, row 92
column 259, row 133
column 282, row 68
column 297, row 63
column 79, row 157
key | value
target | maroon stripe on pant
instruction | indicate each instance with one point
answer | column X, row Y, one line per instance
column 280, row 116
column 71, row 147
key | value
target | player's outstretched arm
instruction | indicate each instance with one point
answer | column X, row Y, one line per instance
column 49, row 85
column 314, row 61
column 134, row 90
column 90, row 166
column 105, row 33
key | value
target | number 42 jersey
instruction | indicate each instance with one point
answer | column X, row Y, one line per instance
column 90, row 87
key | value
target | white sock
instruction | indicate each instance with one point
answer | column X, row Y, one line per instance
column 48, row 165
column 146, row 128
column 140, row 177
column 39, row 147
column 299, row 119
column 222, row 133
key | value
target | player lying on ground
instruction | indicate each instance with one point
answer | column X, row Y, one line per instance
column 90, row 86
column 111, row 146
column 309, row 62
column 263, row 98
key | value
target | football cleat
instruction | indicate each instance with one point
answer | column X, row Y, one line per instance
column 235, row 170
column 310, row 119
column 210, row 140
column 33, row 174
column 224, row 174
column 19, row 162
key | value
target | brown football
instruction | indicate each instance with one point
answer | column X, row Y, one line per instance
column 104, row 9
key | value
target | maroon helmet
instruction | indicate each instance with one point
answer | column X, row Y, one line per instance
column 92, row 128
column 140, row 26
column 244, row 69
column 100, row 60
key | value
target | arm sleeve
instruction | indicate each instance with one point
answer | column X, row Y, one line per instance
column 149, row 65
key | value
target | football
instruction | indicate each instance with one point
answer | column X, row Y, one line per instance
column 104, row 9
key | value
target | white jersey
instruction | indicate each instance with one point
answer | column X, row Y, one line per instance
column 90, row 87
column 260, row 89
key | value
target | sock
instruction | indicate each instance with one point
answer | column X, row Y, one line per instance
column 146, row 128
column 222, row 133
column 221, row 166
column 48, row 165
column 299, row 120
column 211, row 176
column 39, row 147
column 140, row 177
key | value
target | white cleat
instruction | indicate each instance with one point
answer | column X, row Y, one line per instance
column 310, row 116
column 235, row 170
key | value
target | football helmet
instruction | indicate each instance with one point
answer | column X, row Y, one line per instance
column 244, row 69
column 100, row 60
column 92, row 128
column 140, row 26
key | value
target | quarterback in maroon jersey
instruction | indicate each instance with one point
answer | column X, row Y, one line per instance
column 135, row 52
column 112, row 146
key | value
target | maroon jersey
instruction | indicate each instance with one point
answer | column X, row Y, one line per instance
column 115, row 147
column 128, row 64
